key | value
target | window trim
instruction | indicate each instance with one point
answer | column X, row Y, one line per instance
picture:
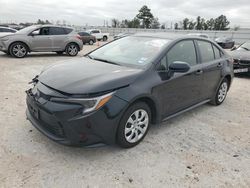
column 198, row 48
column 170, row 48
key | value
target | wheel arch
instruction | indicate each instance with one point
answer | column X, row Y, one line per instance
column 20, row 42
column 152, row 105
column 72, row 42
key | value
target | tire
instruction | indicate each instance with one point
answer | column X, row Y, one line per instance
column 60, row 52
column 129, row 132
column 91, row 42
column 105, row 38
column 72, row 49
column 18, row 50
column 221, row 93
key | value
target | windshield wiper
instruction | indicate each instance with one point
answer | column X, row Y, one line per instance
column 106, row 61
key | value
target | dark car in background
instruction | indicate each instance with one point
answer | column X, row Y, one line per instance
column 225, row 42
column 87, row 38
column 241, row 56
column 114, row 93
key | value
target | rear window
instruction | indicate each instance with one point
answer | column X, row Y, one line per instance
column 206, row 51
column 68, row 30
column 217, row 52
column 83, row 34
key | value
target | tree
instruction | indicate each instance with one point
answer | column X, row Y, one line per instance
column 198, row 23
column 191, row 25
column 39, row 21
column 185, row 23
column 210, row 24
column 155, row 23
column 176, row 26
column 145, row 16
column 163, row 26
column 47, row 22
column 115, row 23
column 221, row 23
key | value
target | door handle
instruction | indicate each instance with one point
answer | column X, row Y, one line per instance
column 219, row 65
column 199, row 72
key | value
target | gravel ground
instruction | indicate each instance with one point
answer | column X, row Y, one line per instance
column 206, row 147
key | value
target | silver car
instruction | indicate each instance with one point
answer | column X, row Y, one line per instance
column 41, row 38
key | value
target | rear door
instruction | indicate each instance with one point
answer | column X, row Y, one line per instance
column 210, row 58
column 58, row 36
column 180, row 90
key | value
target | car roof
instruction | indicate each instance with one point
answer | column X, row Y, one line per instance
column 167, row 35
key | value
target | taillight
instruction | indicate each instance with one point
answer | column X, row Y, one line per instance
column 78, row 37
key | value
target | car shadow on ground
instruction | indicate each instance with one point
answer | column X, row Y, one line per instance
column 106, row 150
column 243, row 75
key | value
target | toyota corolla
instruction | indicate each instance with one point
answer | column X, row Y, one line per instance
column 114, row 93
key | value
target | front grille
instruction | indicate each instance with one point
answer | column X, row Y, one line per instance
column 46, row 120
column 51, row 124
column 244, row 62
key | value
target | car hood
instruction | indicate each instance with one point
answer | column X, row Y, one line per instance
column 240, row 54
column 87, row 76
column 4, row 34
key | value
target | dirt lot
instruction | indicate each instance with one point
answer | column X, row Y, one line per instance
column 206, row 147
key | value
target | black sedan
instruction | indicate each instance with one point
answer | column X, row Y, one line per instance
column 241, row 56
column 117, row 91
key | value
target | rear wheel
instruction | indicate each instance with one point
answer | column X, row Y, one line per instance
column 134, row 125
column 18, row 50
column 91, row 42
column 72, row 49
column 221, row 93
column 105, row 38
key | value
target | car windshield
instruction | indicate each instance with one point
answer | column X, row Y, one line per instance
column 245, row 46
column 27, row 29
column 130, row 51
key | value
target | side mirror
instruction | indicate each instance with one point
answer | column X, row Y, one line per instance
column 35, row 33
column 179, row 66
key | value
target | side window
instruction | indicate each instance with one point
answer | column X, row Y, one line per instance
column 206, row 50
column 68, row 30
column 95, row 31
column 217, row 53
column 44, row 31
column 1, row 30
column 183, row 51
column 56, row 31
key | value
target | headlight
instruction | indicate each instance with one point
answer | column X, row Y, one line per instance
column 4, row 39
column 89, row 104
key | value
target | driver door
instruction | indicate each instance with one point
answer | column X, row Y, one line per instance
column 179, row 90
column 41, row 40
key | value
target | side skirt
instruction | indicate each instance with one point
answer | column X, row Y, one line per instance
column 185, row 110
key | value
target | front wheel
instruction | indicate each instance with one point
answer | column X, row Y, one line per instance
column 221, row 93
column 18, row 50
column 72, row 49
column 134, row 125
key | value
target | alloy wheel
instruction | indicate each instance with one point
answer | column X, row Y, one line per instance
column 222, row 92
column 72, row 50
column 19, row 50
column 136, row 126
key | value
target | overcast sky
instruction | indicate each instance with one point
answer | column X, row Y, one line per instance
column 93, row 12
